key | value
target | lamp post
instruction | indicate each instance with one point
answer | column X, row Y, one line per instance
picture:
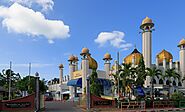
column 37, row 94
column 88, row 93
column 9, row 88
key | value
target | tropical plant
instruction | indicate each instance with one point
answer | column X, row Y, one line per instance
column 170, row 73
column 127, row 75
column 140, row 73
column 9, row 75
column 95, row 87
column 28, row 84
column 153, row 72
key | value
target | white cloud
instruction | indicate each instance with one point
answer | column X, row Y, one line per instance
column 22, row 20
column 44, row 4
column 115, row 38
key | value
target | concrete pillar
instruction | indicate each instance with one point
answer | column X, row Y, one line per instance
column 37, row 93
column 182, row 62
column 171, row 63
column 107, row 65
column 147, row 47
column 157, row 62
column 61, row 74
column 164, row 63
column 85, row 73
column 71, row 70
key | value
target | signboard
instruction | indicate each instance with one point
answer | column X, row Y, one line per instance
column 103, row 103
column 18, row 105
column 77, row 74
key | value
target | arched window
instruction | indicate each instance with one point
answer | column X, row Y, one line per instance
column 161, row 81
column 174, row 83
column 179, row 84
column 154, row 81
column 167, row 82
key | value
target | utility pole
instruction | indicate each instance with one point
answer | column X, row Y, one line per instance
column 9, row 88
column 117, row 71
column 29, row 72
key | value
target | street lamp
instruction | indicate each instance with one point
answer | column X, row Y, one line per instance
column 88, row 93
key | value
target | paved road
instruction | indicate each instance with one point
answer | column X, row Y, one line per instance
column 57, row 106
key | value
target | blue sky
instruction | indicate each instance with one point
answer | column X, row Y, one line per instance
column 63, row 27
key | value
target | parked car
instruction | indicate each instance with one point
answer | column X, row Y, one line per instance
column 48, row 97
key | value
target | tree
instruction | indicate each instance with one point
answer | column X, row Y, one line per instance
column 8, row 75
column 127, row 75
column 171, row 73
column 95, row 87
column 29, row 85
column 140, row 73
column 152, row 72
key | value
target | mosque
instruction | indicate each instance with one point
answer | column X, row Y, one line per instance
column 164, row 60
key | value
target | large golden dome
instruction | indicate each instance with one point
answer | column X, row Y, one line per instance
column 164, row 55
column 182, row 42
column 147, row 20
column 92, row 62
column 136, row 54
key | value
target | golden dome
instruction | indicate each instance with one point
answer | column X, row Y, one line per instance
column 84, row 51
column 136, row 54
column 76, row 59
column 147, row 20
column 182, row 42
column 107, row 56
column 164, row 55
column 71, row 58
column 61, row 66
column 92, row 63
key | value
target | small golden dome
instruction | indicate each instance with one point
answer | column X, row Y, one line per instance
column 147, row 20
column 71, row 58
column 92, row 62
column 182, row 42
column 61, row 66
column 136, row 54
column 76, row 59
column 107, row 56
column 164, row 55
column 84, row 51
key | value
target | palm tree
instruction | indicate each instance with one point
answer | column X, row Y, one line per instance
column 127, row 74
column 152, row 72
column 171, row 73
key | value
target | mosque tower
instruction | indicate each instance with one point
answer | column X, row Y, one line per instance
column 85, row 67
column 182, row 58
column 146, row 28
column 107, row 58
column 71, row 70
column 61, row 67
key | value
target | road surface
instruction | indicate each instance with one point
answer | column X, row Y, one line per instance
column 58, row 106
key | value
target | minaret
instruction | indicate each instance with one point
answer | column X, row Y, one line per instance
column 182, row 58
column 61, row 67
column 164, row 63
column 157, row 61
column 85, row 68
column 146, row 28
column 71, row 70
column 107, row 58
column 171, row 63
column 76, row 63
